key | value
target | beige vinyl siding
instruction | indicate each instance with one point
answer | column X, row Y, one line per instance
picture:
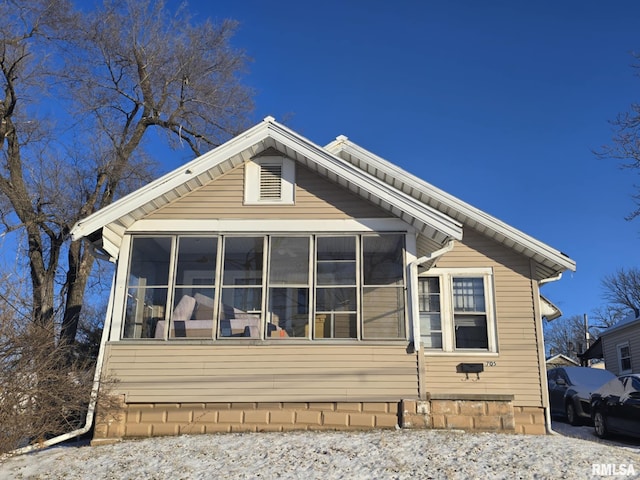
column 261, row 373
column 315, row 197
column 610, row 344
column 516, row 371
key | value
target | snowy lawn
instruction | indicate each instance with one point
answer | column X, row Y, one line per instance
column 385, row 454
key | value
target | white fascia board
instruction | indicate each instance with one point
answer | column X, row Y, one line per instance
column 273, row 226
column 373, row 185
column 169, row 181
column 469, row 211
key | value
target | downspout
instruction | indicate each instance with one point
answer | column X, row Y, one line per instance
column 415, row 308
column 94, row 389
column 413, row 277
column 547, row 410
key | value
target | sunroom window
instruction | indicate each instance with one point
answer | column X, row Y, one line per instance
column 148, row 286
column 270, row 287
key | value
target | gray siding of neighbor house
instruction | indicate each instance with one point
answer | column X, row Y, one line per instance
column 610, row 342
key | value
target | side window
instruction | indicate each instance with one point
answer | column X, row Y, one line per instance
column 469, row 313
column 456, row 310
column 430, row 312
column 624, row 357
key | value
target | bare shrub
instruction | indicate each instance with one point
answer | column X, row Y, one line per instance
column 42, row 393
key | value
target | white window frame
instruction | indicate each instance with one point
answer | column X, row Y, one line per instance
column 619, row 348
column 252, row 181
column 446, row 276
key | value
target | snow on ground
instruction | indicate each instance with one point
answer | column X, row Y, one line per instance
column 384, row 454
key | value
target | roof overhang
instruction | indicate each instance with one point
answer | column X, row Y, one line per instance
column 114, row 220
column 548, row 309
column 549, row 261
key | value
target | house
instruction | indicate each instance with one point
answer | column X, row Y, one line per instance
column 560, row 360
column 619, row 346
column 274, row 284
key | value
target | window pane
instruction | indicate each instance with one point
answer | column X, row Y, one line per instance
column 289, row 260
column 335, row 299
column 335, row 325
column 145, row 308
column 196, row 261
column 247, row 299
column 192, row 314
column 336, row 248
column 240, row 312
column 337, row 273
column 468, row 295
column 429, row 294
column 382, row 259
column 150, row 261
column 383, row 312
column 243, row 260
column 471, row 331
column 289, row 312
column 432, row 340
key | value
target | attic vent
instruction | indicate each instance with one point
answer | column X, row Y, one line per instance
column 270, row 181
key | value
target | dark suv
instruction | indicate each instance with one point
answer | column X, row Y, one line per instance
column 570, row 390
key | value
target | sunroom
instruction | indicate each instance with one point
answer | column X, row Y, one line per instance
column 281, row 286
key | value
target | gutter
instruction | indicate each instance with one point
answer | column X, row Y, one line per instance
column 94, row 390
column 413, row 277
column 547, row 410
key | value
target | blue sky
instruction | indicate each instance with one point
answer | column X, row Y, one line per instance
column 499, row 103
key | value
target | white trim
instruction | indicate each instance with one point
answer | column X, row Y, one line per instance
column 619, row 347
column 120, row 294
column 272, row 226
column 447, row 310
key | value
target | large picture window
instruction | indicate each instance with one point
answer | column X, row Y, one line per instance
column 456, row 310
column 349, row 287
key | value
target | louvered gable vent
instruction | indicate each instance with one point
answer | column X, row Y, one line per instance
column 270, row 181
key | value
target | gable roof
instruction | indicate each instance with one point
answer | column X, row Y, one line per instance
column 434, row 213
column 123, row 213
column 550, row 261
column 628, row 321
column 560, row 359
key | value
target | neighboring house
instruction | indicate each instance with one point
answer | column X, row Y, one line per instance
column 273, row 284
column 620, row 346
column 560, row 360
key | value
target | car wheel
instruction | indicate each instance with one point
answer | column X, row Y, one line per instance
column 600, row 424
column 572, row 417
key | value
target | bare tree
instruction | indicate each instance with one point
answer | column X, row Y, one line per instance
column 112, row 75
column 608, row 315
column 625, row 146
column 622, row 289
column 566, row 336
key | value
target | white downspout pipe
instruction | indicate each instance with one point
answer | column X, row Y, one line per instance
column 413, row 279
column 547, row 411
column 94, row 389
